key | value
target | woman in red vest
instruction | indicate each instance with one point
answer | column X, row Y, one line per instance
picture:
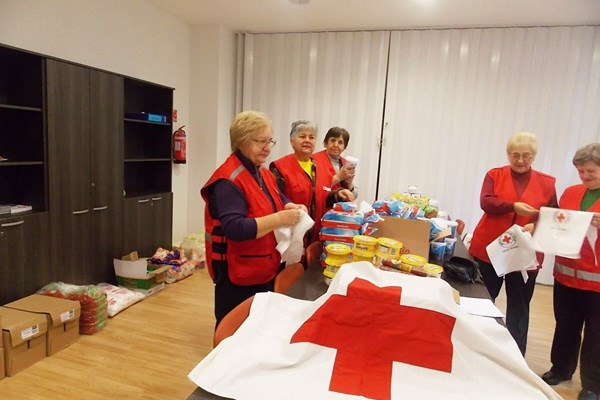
column 577, row 287
column 342, row 175
column 302, row 181
column 243, row 207
column 510, row 195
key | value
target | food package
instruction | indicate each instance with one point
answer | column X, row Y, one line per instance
column 92, row 299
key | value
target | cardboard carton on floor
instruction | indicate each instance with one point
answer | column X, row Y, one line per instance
column 414, row 234
column 62, row 316
column 23, row 338
column 135, row 273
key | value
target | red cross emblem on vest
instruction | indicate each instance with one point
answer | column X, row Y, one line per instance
column 370, row 330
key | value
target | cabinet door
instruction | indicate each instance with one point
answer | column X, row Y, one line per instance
column 148, row 223
column 24, row 251
column 106, row 130
column 68, row 103
column 138, row 226
column 163, row 220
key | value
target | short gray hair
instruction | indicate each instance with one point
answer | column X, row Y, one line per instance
column 526, row 138
column 302, row 125
column 590, row 152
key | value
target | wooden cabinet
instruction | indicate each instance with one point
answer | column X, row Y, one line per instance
column 24, row 250
column 85, row 157
column 22, row 139
column 74, row 147
column 148, row 223
column 147, row 163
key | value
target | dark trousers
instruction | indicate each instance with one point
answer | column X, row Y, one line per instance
column 518, row 297
column 577, row 311
column 228, row 295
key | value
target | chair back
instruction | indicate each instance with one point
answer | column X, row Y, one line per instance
column 232, row 321
column 286, row 278
column 313, row 253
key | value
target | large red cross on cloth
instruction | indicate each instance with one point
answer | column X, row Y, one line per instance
column 370, row 330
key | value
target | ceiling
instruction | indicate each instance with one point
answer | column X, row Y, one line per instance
column 336, row 15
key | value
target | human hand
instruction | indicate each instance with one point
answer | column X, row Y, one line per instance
column 289, row 217
column 345, row 195
column 525, row 209
column 343, row 174
column 596, row 220
column 294, row 206
column 528, row 227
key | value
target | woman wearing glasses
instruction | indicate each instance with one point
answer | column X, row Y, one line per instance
column 302, row 181
column 512, row 194
column 243, row 207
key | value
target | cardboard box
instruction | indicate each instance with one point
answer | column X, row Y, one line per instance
column 23, row 338
column 62, row 316
column 414, row 234
column 135, row 272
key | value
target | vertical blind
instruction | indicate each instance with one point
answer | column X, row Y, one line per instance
column 452, row 98
column 332, row 79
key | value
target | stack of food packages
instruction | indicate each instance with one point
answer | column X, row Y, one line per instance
column 179, row 265
column 345, row 236
column 92, row 299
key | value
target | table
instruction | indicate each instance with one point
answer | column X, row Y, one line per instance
column 311, row 286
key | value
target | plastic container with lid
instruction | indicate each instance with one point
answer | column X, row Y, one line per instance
column 410, row 261
column 363, row 245
column 388, row 248
column 328, row 276
column 337, row 254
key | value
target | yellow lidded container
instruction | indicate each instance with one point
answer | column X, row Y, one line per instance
column 388, row 248
column 410, row 261
column 328, row 276
column 364, row 245
column 337, row 254
column 433, row 270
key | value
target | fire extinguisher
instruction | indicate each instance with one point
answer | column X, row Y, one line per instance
column 179, row 146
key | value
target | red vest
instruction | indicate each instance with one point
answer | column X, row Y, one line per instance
column 300, row 189
column 325, row 166
column 249, row 262
column 582, row 273
column 538, row 193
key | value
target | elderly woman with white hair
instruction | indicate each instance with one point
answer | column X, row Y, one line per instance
column 577, row 287
column 301, row 181
column 512, row 194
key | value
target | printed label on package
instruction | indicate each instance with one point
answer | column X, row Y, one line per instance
column 29, row 332
column 67, row 315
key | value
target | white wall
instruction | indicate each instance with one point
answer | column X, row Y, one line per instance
column 128, row 37
column 212, row 100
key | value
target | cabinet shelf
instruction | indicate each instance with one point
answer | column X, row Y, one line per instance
column 20, row 108
column 138, row 160
column 20, row 163
column 141, row 121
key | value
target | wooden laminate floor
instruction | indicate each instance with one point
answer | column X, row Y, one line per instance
column 146, row 351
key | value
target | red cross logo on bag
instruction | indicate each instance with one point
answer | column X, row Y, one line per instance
column 370, row 330
column 560, row 217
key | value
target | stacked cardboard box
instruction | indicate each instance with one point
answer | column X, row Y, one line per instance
column 62, row 317
column 135, row 273
column 23, row 339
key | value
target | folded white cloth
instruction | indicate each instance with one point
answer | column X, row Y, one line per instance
column 513, row 250
column 561, row 232
column 290, row 239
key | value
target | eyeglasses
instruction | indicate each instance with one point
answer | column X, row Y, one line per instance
column 524, row 156
column 265, row 142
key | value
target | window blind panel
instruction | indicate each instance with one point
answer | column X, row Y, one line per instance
column 331, row 78
column 455, row 96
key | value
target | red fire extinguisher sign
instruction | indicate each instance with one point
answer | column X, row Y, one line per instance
column 179, row 140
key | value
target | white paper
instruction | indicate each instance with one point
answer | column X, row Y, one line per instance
column 481, row 307
column 513, row 250
column 561, row 232
column 290, row 239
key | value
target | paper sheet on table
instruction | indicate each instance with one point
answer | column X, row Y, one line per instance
column 290, row 239
column 512, row 251
column 561, row 232
column 481, row 307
